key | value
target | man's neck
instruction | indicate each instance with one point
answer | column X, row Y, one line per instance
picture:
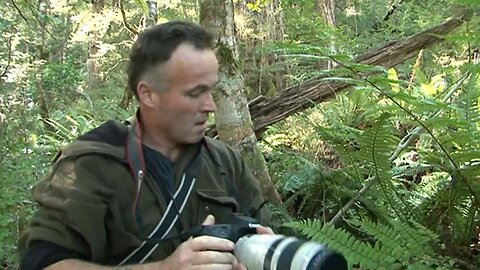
column 160, row 144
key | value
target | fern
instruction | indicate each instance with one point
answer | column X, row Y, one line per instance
column 387, row 239
column 394, row 212
column 423, row 194
column 376, row 145
column 355, row 251
column 471, row 112
column 396, row 243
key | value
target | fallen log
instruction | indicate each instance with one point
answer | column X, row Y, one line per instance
column 267, row 111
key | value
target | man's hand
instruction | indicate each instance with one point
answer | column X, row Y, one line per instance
column 264, row 230
column 260, row 230
column 203, row 252
column 207, row 252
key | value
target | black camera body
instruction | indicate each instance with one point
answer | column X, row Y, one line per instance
column 233, row 228
column 275, row 252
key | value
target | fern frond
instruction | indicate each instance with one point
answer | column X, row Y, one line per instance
column 428, row 188
column 472, row 93
column 387, row 239
column 376, row 145
column 415, row 237
column 396, row 243
column 355, row 251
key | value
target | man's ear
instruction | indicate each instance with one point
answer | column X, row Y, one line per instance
column 145, row 94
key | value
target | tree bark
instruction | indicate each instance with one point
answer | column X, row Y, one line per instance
column 232, row 117
column 327, row 10
column 92, row 66
column 391, row 10
column 93, row 76
column 274, row 15
column 149, row 20
column 297, row 98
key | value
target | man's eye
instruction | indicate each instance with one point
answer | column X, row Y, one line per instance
column 194, row 94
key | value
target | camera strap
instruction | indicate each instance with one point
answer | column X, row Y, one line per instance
column 170, row 217
column 165, row 225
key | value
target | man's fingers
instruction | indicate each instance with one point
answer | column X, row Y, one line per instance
column 213, row 267
column 211, row 243
column 239, row 266
column 209, row 220
column 264, row 230
column 215, row 257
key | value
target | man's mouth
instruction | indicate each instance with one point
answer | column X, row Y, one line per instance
column 202, row 123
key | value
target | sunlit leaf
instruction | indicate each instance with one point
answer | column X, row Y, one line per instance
column 428, row 89
column 420, row 77
column 392, row 75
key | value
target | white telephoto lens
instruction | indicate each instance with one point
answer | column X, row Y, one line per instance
column 251, row 250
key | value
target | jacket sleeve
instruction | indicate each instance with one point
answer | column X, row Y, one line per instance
column 251, row 202
column 72, row 205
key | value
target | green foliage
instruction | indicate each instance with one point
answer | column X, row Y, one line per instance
column 62, row 78
column 142, row 5
column 396, row 245
column 424, row 188
column 43, row 99
column 421, row 205
column 27, row 159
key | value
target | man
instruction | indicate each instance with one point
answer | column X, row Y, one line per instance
column 119, row 194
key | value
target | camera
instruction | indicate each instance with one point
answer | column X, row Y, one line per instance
column 272, row 252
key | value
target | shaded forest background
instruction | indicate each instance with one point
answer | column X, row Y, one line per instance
column 384, row 167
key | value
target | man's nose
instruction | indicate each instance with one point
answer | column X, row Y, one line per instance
column 209, row 103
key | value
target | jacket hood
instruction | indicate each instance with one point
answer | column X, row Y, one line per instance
column 107, row 139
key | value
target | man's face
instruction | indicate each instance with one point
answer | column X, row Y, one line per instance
column 181, row 110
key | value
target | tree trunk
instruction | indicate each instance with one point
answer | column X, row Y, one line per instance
column 149, row 20
column 391, row 10
column 43, row 56
column 92, row 66
column 92, row 62
column 232, row 116
column 297, row 98
column 274, row 20
column 257, row 28
column 327, row 10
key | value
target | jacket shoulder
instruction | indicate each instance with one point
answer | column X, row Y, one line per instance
column 220, row 148
column 107, row 139
column 111, row 132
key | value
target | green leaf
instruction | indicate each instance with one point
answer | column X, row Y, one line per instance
column 142, row 4
column 392, row 75
column 420, row 77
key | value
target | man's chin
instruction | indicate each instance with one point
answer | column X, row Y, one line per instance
column 195, row 138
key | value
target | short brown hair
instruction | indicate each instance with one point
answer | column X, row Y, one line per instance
column 156, row 45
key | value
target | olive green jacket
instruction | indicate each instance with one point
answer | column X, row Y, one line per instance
column 88, row 203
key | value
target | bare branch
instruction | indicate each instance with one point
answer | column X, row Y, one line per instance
column 28, row 23
column 9, row 57
column 129, row 27
column 405, row 141
column 20, row 12
column 43, row 23
column 391, row 9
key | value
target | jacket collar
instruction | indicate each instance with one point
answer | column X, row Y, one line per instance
column 136, row 160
